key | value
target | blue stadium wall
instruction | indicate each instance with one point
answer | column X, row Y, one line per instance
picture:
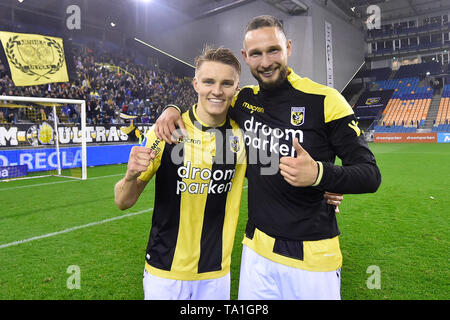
column 45, row 159
column 106, row 145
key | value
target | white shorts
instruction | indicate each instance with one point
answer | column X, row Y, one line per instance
column 264, row 279
column 157, row 288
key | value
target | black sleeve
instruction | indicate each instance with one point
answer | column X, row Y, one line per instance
column 180, row 108
column 183, row 108
column 359, row 172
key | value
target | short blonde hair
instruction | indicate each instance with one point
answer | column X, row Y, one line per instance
column 223, row 55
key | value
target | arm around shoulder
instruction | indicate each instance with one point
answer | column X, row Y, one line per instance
column 165, row 125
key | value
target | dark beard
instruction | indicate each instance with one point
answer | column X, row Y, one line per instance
column 272, row 85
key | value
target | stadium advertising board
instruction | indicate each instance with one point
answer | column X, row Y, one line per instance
column 402, row 137
column 443, row 137
column 43, row 134
column 371, row 103
column 46, row 159
column 7, row 172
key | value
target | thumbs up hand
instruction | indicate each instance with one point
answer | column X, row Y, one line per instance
column 300, row 171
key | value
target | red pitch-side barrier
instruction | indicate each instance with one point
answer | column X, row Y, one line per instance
column 402, row 137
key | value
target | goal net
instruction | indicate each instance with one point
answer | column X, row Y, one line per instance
column 41, row 137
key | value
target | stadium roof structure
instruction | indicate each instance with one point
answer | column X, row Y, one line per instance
column 120, row 18
column 391, row 9
column 158, row 14
column 128, row 15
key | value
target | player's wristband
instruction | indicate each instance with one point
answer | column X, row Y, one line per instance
column 172, row 106
column 319, row 174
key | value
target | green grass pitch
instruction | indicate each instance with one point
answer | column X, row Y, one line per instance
column 48, row 225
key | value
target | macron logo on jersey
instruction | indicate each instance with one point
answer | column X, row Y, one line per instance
column 252, row 108
column 189, row 140
column 155, row 145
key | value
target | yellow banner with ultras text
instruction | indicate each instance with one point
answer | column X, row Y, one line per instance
column 34, row 59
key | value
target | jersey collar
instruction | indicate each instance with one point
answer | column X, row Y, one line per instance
column 292, row 76
column 199, row 124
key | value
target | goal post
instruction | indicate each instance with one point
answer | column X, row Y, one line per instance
column 30, row 138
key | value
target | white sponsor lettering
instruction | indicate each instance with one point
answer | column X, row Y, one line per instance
column 8, row 135
column 3, row 161
column 26, row 159
column 46, row 161
column 67, row 134
column 263, row 137
column 191, row 176
column 101, row 134
column 40, row 160
column 64, row 135
column 113, row 134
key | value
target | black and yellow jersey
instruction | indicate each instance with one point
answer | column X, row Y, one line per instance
column 284, row 219
column 198, row 187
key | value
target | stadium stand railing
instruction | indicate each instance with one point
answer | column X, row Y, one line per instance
column 407, row 109
column 378, row 74
column 420, row 70
column 441, row 123
column 388, row 31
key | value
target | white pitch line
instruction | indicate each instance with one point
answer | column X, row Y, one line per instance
column 15, row 243
column 65, row 181
column 73, row 229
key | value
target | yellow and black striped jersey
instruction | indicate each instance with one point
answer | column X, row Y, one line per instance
column 198, row 187
column 282, row 216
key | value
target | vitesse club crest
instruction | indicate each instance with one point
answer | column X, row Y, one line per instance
column 371, row 101
column 234, row 144
column 297, row 116
column 34, row 59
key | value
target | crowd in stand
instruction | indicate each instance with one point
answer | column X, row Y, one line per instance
column 137, row 90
